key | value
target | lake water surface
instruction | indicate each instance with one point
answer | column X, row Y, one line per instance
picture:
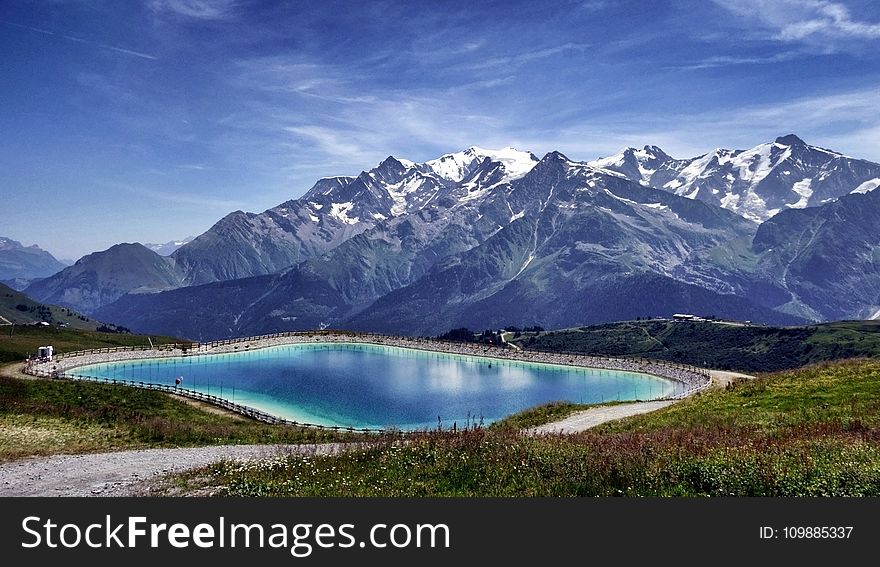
column 377, row 386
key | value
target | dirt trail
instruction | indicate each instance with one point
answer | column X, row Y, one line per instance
column 721, row 378
column 122, row 473
column 583, row 420
column 592, row 417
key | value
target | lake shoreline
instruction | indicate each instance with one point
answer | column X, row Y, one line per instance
column 692, row 378
column 685, row 380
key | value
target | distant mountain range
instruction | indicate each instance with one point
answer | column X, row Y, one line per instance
column 103, row 277
column 782, row 233
column 19, row 265
column 169, row 248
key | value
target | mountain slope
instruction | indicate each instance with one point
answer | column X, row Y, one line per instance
column 327, row 289
column 336, row 209
column 247, row 244
column 589, row 246
column 102, row 277
column 827, row 258
column 755, row 183
column 17, row 308
column 205, row 312
column 25, row 262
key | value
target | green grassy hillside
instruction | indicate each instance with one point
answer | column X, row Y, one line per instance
column 43, row 417
column 21, row 341
column 16, row 307
column 717, row 345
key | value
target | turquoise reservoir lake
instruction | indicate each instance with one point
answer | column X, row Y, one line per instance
column 362, row 385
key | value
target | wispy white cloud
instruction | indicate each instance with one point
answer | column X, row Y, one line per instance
column 197, row 9
column 110, row 47
column 80, row 40
column 859, row 105
column 808, row 21
column 727, row 60
column 38, row 30
column 520, row 59
column 194, row 167
column 331, row 120
column 181, row 198
column 481, row 85
column 128, row 52
column 817, row 119
column 593, row 5
column 338, row 142
column 830, row 19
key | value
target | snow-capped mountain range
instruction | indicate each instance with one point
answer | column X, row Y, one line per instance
column 755, row 183
column 492, row 237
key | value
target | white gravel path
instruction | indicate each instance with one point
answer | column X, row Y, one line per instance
column 121, row 473
column 721, row 378
column 583, row 420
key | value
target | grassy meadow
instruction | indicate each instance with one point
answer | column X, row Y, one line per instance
column 19, row 342
column 43, row 417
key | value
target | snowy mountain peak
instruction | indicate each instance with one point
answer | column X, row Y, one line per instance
column 391, row 168
column 790, row 140
column 9, row 244
column 632, row 156
column 755, row 183
column 639, row 165
column 454, row 167
column 457, row 166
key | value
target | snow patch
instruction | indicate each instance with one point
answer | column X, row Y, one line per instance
column 340, row 211
column 476, row 192
column 457, row 166
column 659, row 206
column 625, row 200
column 399, row 192
column 755, row 164
column 646, row 173
column 752, row 207
column 867, row 186
column 803, row 189
column 730, row 201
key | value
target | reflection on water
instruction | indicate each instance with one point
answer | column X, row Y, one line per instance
column 377, row 386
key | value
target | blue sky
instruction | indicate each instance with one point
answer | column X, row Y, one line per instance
column 147, row 121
